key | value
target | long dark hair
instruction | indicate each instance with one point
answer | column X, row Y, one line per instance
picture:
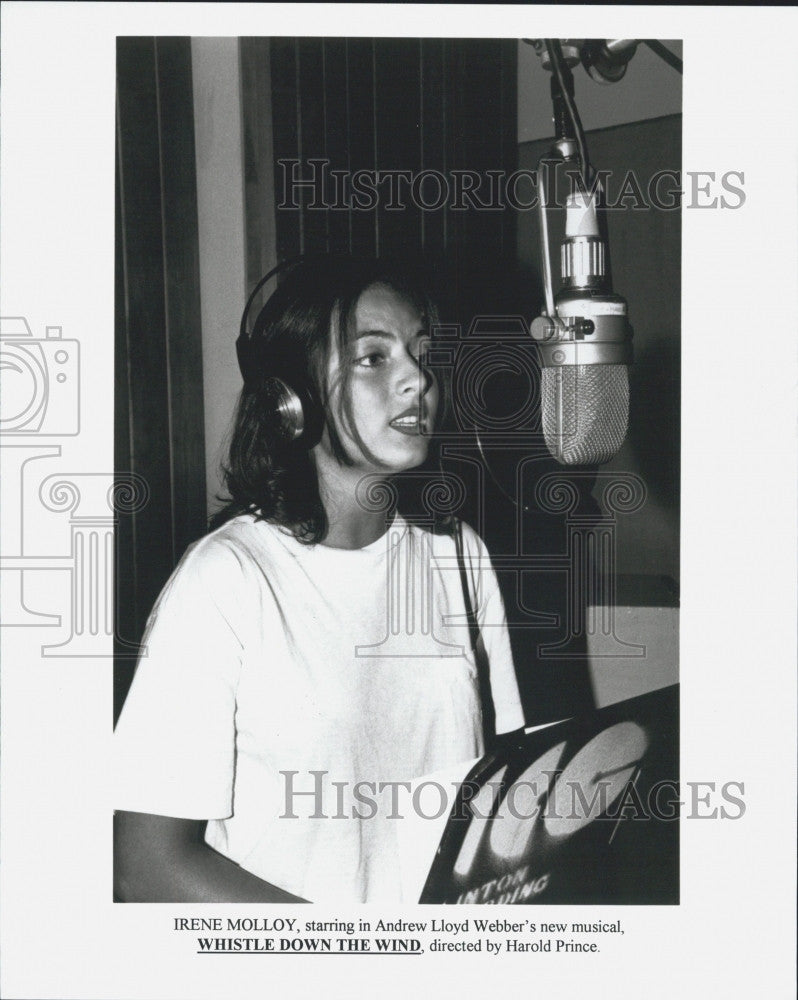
column 266, row 475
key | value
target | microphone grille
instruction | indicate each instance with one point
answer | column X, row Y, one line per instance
column 585, row 412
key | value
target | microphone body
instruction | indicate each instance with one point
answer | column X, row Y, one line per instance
column 585, row 350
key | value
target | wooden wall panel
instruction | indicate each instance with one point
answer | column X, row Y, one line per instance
column 312, row 134
column 146, row 358
column 287, row 137
column 256, row 109
column 435, row 114
column 336, row 113
column 361, row 118
column 181, row 280
column 392, row 105
column 159, row 411
column 398, row 99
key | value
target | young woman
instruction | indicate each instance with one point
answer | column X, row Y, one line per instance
column 310, row 654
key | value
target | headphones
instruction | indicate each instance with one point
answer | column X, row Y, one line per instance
column 289, row 397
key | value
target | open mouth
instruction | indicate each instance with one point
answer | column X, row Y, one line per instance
column 409, row 423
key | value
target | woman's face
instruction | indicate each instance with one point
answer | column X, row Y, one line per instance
column 383, row 403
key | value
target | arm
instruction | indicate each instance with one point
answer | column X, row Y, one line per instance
column 161, row 859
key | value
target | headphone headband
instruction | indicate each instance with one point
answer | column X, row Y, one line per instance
column 244, row 339
column 298, row 413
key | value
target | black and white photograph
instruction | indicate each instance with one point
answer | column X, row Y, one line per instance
column 449, row 503
column 388, row 519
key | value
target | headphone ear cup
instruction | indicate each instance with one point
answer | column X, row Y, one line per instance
column 298, row 414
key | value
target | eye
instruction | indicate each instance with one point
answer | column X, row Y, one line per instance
column 374, row 359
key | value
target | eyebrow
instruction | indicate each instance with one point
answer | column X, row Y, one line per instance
column 385, row 335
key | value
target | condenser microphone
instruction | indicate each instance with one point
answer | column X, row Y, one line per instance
column 584, row 342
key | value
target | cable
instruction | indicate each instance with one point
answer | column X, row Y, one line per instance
column 557, row 62
column 496, row 482
column 665, row 53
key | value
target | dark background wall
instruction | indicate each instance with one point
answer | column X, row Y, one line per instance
column 645, row 249
column 640, row 570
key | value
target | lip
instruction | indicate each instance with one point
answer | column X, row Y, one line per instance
column 412, row 421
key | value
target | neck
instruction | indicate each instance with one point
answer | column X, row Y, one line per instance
column 350, row 526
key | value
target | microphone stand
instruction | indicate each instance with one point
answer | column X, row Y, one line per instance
column 583, row 334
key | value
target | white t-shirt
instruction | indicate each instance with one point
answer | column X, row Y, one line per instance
column 272, row 669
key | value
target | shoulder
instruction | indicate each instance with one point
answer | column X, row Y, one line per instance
column 227, row 551
column 444, row 543
column 472, row 542
column 218, row 583
column 224, row 563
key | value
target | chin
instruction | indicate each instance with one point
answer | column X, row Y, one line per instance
column 411, row 461
column 374, row 460
column 390, row 464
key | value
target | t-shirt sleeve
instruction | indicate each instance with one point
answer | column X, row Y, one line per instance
column 494, row 635
column 174, row 744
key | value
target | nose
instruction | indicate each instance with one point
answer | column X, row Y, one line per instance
column 413, row 378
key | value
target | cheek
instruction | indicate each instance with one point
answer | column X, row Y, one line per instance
column 365, row 409
column 432, row 399
column 367, row 396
